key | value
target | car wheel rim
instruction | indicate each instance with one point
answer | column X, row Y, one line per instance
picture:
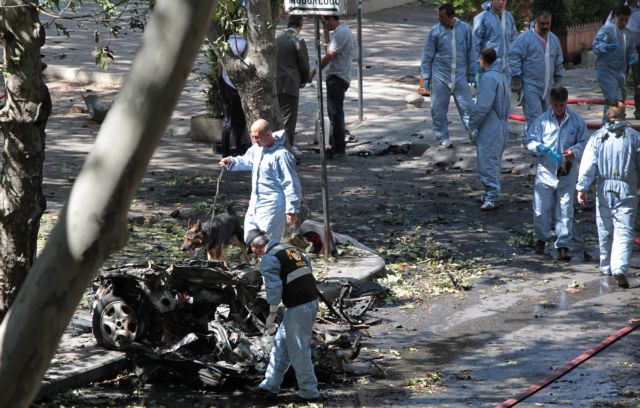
column 118, row 322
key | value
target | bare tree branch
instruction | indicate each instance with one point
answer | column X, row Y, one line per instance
column 93, row 224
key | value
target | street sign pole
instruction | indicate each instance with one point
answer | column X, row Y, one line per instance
column 316, row 9
column 328, row 238
column 360, row 92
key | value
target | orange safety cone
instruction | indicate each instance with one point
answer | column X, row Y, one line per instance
column 422, row 91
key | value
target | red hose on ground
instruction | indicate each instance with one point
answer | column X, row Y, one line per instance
column 571, row 365
column 519, row 118
column 595, row 101
column 590, row 125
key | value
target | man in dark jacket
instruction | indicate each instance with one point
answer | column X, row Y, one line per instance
column 293, row 72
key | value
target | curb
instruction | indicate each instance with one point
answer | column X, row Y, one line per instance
column 64, row 73
column 97, row 364
column 364, row 267
column 397, row 128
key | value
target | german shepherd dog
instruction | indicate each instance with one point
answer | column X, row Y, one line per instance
column 215, row 236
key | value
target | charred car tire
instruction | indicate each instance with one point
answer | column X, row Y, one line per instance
column 116, row 322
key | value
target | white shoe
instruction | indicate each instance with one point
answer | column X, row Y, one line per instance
column 446, row 143
column 489, row 205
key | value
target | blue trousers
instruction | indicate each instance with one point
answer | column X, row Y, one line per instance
column 490, row 145
column 613, row 87
column 440, row 95
column 336, row 89
column 615, row 233
column 533, row 105
column 549, row 201
column 292, row 348
column 272, row 222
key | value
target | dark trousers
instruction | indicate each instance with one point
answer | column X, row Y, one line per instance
column 234, row 123
column 336, row 88
column 289, row 109
column 635, row 71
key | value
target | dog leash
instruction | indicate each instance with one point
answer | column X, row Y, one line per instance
column 215, row 200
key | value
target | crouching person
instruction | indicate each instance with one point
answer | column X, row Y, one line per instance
column 558, row 138
column 288, row 278
column 611, row 159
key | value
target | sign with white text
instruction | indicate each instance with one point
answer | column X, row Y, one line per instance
column 316, row 7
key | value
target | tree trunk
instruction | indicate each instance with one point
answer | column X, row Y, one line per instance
column 22, row 121
column 254, row 74
column 94, row 222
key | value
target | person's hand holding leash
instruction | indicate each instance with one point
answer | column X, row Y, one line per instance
column 292, row 218
column 225, row 162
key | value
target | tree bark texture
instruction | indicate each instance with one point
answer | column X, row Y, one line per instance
column 93, row 224
column 254, row 73
column 22, row 120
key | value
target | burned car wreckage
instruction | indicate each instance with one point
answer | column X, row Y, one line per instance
column 205, row 323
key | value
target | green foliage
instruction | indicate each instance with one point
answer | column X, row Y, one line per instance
column 111, row 16
column 465, row 9
column 568, row 12
column 230, row 17
column 102, row 56
column 520, row 13
column 558, row 10
column 564, row 12
column 587, row 11
column 431, row 383
column 50, row 4
column 468, row 9
column 419, row 267
column 522, row 238
column 62, row 30
column 177, row 180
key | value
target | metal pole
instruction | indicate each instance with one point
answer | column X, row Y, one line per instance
column 360, row 98
column 328, row 238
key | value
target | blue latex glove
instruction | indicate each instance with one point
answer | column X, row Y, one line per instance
column 610, row 47
column 427, row 86
column 633, row 59
column 542, row 149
